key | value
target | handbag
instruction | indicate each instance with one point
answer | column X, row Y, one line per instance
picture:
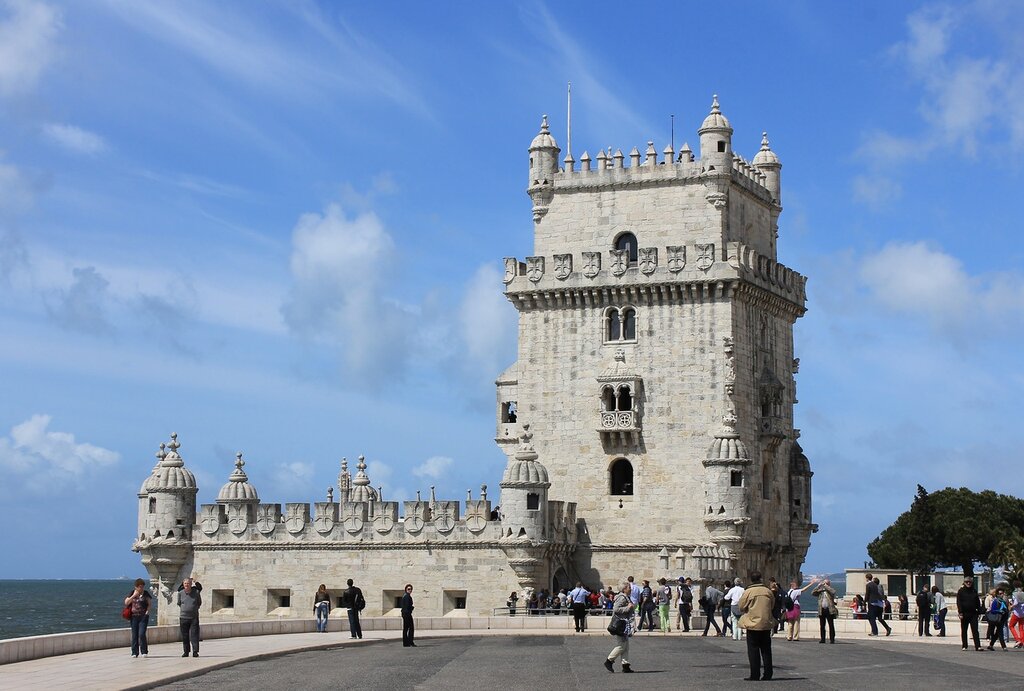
column 617, row 627
column 126, row 613
column 993, row 617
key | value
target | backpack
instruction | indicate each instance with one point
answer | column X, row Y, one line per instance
column 359, row 601
column 787, row 602
column 685, row 594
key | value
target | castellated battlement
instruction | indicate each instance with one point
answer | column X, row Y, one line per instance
column 656, row 270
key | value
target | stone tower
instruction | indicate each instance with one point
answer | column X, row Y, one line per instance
column 655, row 362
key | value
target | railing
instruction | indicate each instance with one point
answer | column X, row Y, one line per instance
column 546, row 611
column 618, row 420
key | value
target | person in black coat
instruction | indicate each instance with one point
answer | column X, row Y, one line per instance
column 968, row 608
column 408, row 628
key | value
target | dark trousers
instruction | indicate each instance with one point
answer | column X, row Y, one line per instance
column 355, row 630
column 647, row 614
column 408, row 629
column 924, row 623
column 995, row 633
column 875, row 617
column 759, row 652
column 579, row 615
column 684, row 614
column 189, row 634
column 726, row 624
column 940, row 624
column 972, row 621
column 827, row 617
column 709, row 621
column 139, row 642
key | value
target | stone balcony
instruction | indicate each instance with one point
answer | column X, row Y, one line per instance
column 619, row 427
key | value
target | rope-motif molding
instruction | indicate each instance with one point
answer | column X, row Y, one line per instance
column 370, row 546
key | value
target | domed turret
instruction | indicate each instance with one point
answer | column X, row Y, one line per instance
column 361, row 489
column 238, row 490
column 716, row 138
column 726, row 483
column 768, row 163
column 524, row 493
column 171, row 494
column 543, row 166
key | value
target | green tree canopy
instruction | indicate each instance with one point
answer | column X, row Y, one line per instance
column 951, row 527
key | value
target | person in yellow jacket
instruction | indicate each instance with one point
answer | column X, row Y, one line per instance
column 756, row 605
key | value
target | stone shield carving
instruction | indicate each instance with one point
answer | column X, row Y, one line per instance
column 238, row 519
column 511, row 269
column 705, row 256
column 676, row 259
column 266, row 519
column 384, row 523
column 413, row 524
column 648, row 260
column 354, row 520
column 211, row 519
column 620, row 261
column 535, row 268
column 324, row 522
column 476, row 521
column 563, row 266
column 591, row 264
column 295, row 520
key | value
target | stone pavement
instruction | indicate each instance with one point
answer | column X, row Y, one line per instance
column 528, row 659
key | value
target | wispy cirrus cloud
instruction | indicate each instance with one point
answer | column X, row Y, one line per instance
column 28, row 31
column 74, row 139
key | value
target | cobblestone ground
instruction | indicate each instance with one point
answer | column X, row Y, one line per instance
column 575, row 662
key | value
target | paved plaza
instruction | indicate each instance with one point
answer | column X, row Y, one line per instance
column 574, row 662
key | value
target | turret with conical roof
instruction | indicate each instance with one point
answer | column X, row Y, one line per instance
column 524, row 493
column 716, row 139
column 543, row 166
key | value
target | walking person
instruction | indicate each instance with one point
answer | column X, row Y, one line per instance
column 968, row 608
column 733, row 596
column 139, row 600
column 622, row 620
column 876, row 606
column 939, row 603
column 1016, row 624
column 756, row 604
column 709, row 605
column 578, row 596
column 408, row 627
column 321, row 608
column 189, row 602
column 779, row 613
column 684, row 600
column 356, row 603
column 827, row 609
column 924, row 612
column 996, row 617
column 664, row 599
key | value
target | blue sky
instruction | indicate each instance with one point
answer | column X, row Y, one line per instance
column 278, row 228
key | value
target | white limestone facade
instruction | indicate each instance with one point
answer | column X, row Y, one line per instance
column 648, row 420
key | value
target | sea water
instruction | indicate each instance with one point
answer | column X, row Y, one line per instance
column 34, row 608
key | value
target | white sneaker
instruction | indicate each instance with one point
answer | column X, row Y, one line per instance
column 145, row 654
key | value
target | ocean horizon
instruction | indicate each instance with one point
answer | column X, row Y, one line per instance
column 36, row 607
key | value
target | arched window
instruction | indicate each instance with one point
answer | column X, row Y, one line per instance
column 629, row 324
column 614, row 328
column 622, row 477
column 607, row 399
column 627, row 241
column 625, row 399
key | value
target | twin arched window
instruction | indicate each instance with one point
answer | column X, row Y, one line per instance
column 620, row 324
column 620, row 399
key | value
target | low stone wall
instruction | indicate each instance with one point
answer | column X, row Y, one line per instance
column 34, row 647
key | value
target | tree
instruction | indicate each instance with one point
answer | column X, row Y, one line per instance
column 951, row 527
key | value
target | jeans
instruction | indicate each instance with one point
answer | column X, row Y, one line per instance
column 189, row 634
column 875, row 617
column 827, row 617
column 647, row 615
column 940, row 624
column 355, row 629
column 759, row 653
column 995, row 633
column 323, row 610
column 726, row 619
column 683, row 620
column 709, row 621
column 139, row 642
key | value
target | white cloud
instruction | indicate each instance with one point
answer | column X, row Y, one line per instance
column 487, row 323
column 918, row 280
column 74, row 139
column 294, row 479
column 876, row 191
column 434, row 467
column 339, row 266
column 27, row 33
column 45, row 460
